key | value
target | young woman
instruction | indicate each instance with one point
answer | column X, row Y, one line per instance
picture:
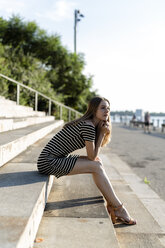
column 92, row 130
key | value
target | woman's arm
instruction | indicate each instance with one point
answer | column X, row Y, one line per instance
column 92, row 148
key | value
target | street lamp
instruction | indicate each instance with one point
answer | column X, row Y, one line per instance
column 77, row 18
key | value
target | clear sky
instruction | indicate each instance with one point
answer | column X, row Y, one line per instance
column 123, row 42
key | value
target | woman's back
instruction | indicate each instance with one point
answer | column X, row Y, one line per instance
column 70, row 139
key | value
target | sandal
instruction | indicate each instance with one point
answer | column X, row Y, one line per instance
column 114, row 218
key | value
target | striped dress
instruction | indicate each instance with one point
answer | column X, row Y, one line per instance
column 55, row 159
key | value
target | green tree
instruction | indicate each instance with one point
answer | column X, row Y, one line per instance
column 40, row 61
column 4, row 70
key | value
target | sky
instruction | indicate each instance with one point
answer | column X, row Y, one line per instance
column 123, row 42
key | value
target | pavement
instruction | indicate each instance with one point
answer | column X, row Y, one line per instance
column 143, row 152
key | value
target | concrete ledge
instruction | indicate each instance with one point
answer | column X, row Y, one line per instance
column 18, row 111
column 20, row 141
column 75, row 215
column 3, row 100
column 23, row 194
column 8, row 124
column 29, row 233
column 61, row 232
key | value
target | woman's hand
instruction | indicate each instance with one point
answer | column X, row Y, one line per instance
column 98, row 159
column 103, row 127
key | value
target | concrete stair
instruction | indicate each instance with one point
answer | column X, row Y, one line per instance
column 16, row 141
column 9, row 109
column 23, row 191
column 17, row 133
column 75, row 215
column 23, row 194
column 7, row 124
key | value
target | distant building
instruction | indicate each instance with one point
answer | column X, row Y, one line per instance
column 139, row 114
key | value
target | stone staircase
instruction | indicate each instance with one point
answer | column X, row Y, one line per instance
column 68, row 212
column 23, row 191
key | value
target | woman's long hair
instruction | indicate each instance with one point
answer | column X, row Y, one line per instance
column 90, row 114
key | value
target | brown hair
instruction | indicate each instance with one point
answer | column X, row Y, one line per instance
column 90, row 113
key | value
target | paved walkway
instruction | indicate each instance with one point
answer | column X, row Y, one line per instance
column 145, row 153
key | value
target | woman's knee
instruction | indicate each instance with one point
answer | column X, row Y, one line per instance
column 98, row 167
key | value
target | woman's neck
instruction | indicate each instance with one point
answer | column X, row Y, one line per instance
column 95, row 121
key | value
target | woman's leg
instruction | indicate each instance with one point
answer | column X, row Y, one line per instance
column 84, row 165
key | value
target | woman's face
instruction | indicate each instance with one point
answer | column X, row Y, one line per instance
column 103, row 111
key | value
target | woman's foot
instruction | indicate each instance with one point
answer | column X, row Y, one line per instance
column 120, row 213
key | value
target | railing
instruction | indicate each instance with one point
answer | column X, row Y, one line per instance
column 37, row 93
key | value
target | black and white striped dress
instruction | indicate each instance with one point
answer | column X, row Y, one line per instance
column 55, row 159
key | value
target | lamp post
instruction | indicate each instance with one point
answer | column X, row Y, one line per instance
column 77, row 18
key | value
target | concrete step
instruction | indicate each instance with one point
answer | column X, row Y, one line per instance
column 63, row 208
column 14, row 142
column 7, row 124
column 66, row 209
column 3, row 100
column 75, row 216
column 18, row 111
column 23, row 194
column 10, row 109
column 142, row 202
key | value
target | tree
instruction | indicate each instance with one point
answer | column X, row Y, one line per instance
column 4, row 70
column 41, row 61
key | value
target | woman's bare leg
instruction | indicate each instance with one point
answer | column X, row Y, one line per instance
column 104, row 185
column 83, row 166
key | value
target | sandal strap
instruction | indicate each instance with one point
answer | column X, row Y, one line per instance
column 117, row 208
column 112, row 212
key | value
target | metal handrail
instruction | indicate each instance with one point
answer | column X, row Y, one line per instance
column 37, row 93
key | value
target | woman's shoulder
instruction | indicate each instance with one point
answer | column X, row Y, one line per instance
column 88, row 123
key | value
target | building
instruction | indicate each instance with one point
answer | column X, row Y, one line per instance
column 139, row 115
